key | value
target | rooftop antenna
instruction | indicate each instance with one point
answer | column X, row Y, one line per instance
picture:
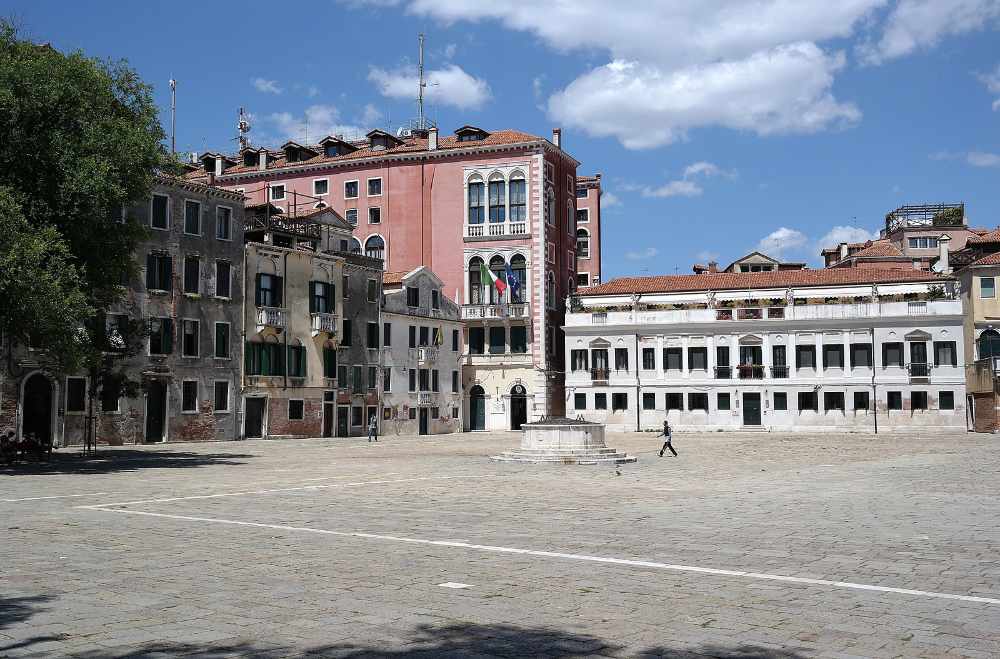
column 173, row 117
column 421, row 85
column 244, row 127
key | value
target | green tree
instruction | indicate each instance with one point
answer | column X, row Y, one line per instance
column 79, row 141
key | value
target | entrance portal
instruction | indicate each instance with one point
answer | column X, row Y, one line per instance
column 423, row 421
column 751, row 409
column 477, row 408
column 255, row 417
column 518, row 407
column 38, row 408
column 156, row 411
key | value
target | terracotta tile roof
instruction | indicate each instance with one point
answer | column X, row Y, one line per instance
column 407, row 145
column 392, row 278
column 985, row 238
column 754, row 280
column 877, row 248
column 849, row 246
column 990, row 259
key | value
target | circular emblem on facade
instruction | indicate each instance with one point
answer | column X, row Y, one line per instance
column 518, row 390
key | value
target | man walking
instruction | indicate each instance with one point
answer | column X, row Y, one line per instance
column 372, row 429
column 667, row 444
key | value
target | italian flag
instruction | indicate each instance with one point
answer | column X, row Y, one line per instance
column 486, row 273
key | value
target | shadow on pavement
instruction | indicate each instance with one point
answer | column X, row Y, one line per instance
column 14, row 610
column 123, row 460
column 453, row 641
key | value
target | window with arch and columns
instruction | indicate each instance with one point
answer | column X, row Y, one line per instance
column 497, row 199
column 582, row 244
column 375, row 247
column 988, row 344
column 481, row 289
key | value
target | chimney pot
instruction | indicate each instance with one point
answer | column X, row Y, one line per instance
column 218, row 166
column 432, row 139
column 713, row 267
column 843, row 250
column 557, row 137
column 944, row 266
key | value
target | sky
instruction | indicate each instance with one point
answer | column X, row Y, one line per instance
column 719, row 127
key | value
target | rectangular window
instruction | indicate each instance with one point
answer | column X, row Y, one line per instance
column 346, row 338
column 435, row 299
column 987, row 288
column 698, row 402
column 345, row 286
column 296, row 410
column 321, row 187
column 833, row 400
column 266, row 359
column 191, row 333
column 222, row 396
column 424, row 378
column 223, row 279
column 649, row 401
column 944, row 353
column 192, row 275
column 518, row 201
column 412, row 296
column 159, row 272
column 892, row 354
column 192, row 218
column 861, row 355
column 425, row 336
column 519, row 339
column 341, row 376
column 277, row 192
column 780, row 401
column 357, row 385
column 268, row 293
column 386, row 379
column 297, row 361
column 110, row 397
column 477, row 340
column 76, row 394
column 600, row 401
column 698, row 360
column 387, row 334
column 189, row 396
column 498, row 340
column 374, row 187
column 946, row 400
column 372, row 335
column 894, row 400
column 582, row 215
column 413, row 336
column 673, row 359
column 320, row 297
column 578, row 360
column 861, row 400
column 675, row 401
column 224, row 223
column 497, row 208
column 413, row 413
column 455, row 341
column 621, row 359
column 357, row 415
column 413, row 379
column 722, row 402
column 454, row 381
column 372, row 377
column 161, row 336
column 350, row 189
column 805, row 357
column 375, row 215
column 159, row 214
column 351, row 215
column 649, row 359
column 619, row 402
column 330, row 363
column 477, row 203
column 918, row 400
column 833, row 356
column 808, row 401
column 372, row 290
column 435, row 381
column 580, row 401
column 222, row 340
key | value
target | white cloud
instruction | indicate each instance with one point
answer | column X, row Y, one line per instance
column 450, row 85
column 674, row 189
column 370, row 116
column 992, row 82
column 916, row 24
column 981, row 159
column 266, row 86
column 706, row 256
column 312, row 91
column 450, row 50
column 782, row 240
column 316, row 122
column 845, row 234
column 610, row 200
column 642, row 255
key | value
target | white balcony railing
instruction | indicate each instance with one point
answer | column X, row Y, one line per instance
column 425, row 355
column 518, row 228
column 495, row 311
column 271, row 317
column 425, row 398
column 474, row 230
column 324, row 323
column 496, row 229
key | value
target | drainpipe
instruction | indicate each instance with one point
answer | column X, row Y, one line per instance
column 638, row 408
column 284, row 334
column 874, row 391
column 242, row 367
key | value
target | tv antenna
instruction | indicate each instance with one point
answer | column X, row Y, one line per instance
column 173, row 117
column 422, row 122
column 243, row 125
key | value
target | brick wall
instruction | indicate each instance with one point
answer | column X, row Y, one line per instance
column 986, row 412
column 278, row 423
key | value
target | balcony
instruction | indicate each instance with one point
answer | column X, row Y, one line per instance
column 723, row 373
column 496, row 230
column 599, row 375
column 324, row 323
column 506, row 359
column 271, row 318
column 495, row 311
column 751, row 371
column 425, row 398
column 779, row 372
column 424, row 355
column 919, row 372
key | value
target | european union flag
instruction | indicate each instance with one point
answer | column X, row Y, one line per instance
column 514, row 283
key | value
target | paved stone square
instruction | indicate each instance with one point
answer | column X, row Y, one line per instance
column 747, row 545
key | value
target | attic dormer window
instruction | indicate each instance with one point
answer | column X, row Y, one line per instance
column 250, row 159
column 471, row 134
column 209, row 164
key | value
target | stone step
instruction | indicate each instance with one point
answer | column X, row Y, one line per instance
column 559, row 457
column 568, row 450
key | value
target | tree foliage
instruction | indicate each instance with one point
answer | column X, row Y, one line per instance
column 79, row 141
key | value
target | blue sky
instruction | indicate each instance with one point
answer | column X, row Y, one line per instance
column 719, row 127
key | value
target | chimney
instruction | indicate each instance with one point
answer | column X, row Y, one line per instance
column 218, row 166
column 432, row 139
column 262, row 160
column 713, row 267
column 843, row 250
column 557, row 137
column 943, row 266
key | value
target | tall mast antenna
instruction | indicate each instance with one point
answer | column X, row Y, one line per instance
column 422, row 84
column 244, row 127
column 173, row 117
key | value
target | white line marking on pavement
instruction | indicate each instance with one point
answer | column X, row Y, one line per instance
column 278, row 490
column 554, row 554
column 60, row 496
column 454, row 584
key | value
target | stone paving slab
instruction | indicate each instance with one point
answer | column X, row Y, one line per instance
column 251, row 549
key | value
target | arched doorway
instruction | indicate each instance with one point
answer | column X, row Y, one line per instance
column 477, row 408
column 518, row 407
column 37, row 408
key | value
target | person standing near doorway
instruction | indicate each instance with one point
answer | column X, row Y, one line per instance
column 669, row 439
column 372, row 429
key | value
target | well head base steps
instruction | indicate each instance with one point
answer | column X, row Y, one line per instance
column 563, row 441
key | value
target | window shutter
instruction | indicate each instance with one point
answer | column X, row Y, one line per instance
column 257, row 290
column 280, row 362
column 166, row 277
column 168, row 335
column 313, row 287
column 279, row 291
column 150, row 271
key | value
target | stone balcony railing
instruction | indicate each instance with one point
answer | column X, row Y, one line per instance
column 497, row 311
column 324, row 323
column 496, row 229
column 272, row 318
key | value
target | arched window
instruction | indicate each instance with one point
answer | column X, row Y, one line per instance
column 475, row 281
column 498, row 208
column 550, row 291
column 989, row 344
column 570, row 285
column 582, row 244
column 355, row 246
column 499, row 269
column 518, row 198
column 477, row 202
column 375, row 247
column 518, row 267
